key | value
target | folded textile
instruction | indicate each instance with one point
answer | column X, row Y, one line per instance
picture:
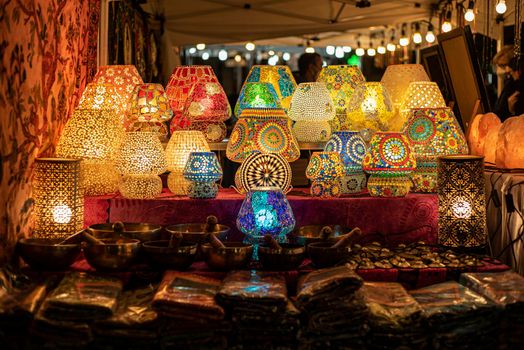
column 191, row 335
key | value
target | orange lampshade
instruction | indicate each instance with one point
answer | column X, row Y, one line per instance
column 478, row 131
column 123, row 77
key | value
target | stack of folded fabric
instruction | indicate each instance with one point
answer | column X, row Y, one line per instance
column 191, row 318
column 335, row 312
column 506, row 289
column 458, row 317
column 67, row 312
column 395, row 317
column 261, row 314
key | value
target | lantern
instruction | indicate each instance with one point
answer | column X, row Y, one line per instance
column 123, row 77
column 103, row 96
column 263, row 170
column 420, row 94
column 397, row 77
column 257, row 95
column 203, row 170
column 325, row 170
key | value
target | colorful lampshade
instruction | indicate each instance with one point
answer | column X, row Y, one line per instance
column 461, row 198
column 432, row 132
column 267, row 130
column 149, row 104
column 180, row 145
column 352, row 149
column 257, row 95
column 420, row 94
column 102, row 96
column 341, row 81
column 397, row 77
column 390, row 161
column 59, row 198
column 203, row 169
column 140, row 160
column 325, row 170
column 279, row 77
column 123, row 77
column 370, row 108
column 263, row 170
column 312, row 109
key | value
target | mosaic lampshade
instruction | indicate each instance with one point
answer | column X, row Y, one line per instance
column 461, row 198
column 397, row 77
column 312, row 108
column 140, row 160
column 203, row 169
column 93, row 135
column 432, row 132
column 180, row 145
column 279, row 77
column 59, row 198
column 257, row 95
column 341, row 81
column 325, row 170
column 370, row 108
column 102, row 96
column 267, row 130
column 352, row 149
column 123, row 77
column 263, row 170
column 419, row 94
column 390, row 161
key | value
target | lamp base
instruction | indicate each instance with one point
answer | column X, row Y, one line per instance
column 140, row 186
column 177, row 184
column 98, row 177
column 352, row 183
column 203, row 190
column 325, row 189
column 312, row 131
column 256, row 241
column 389, row 186
column 425, row 176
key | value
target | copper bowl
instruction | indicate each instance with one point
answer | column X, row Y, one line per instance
column 160, row 255
column 114, row 255
column 196, row 233
column 44, row 254
column 234, row 256
column 323, row 255
column 288, row 258
column 140, row 231
column 311, row 233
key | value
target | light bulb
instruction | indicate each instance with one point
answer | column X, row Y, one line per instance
column 238, row 58
column 192, row 50
column 501, row 7
column 371, row 52
column 201, row 46
column 205, row 56
column 461, row 208
column 339, row 52
column 62, row 214
column 391, row 47
column 430, row 37
column 446, row 26
column 346, row 49
column 250, row 46
column 469, row 15
column 310, row 49
column 273, row 60
column 222, row 55
column 286, row 56
column 417, row 38
column 330, row 50
column 381, row 50
column 360, row 51
column 404, row 41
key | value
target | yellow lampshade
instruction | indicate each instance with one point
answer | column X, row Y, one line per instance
column 279, row 76
column 420, row 94
column 370, row 108
column 123, row 77
column 102, row 96
column 397, row 77
column 149, row 104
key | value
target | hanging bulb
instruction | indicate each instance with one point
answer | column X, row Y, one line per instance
column 222, row 55
column 404, row 40
column 330, row 50
column 238, row 58
column 347, row 49
column 286, row 56
column 446, row 26
column 359, row 51
column 381, row 49
column 201, row 46
column 250, row 46
column 470, row 14
column 430, row 37
column 417, row 37
column 501, row 7
column 310, row 49
column 339, row 52
column 391, row 47
column 371, row 51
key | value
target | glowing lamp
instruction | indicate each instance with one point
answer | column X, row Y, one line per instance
column 478, row 131
column 510, row 150
column 203, row 170
column 370, row 108
column 325, row 170
column 123, row 77
column 419, row 94
column 397, row 77
column 102, row 96
column 257, row 95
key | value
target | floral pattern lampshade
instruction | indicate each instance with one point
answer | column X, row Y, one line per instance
column 203, row 169
column 419, row 94
column 279, row 77
column 370, row 108
column 102, row 96
column 397, row 77
column 257, row 95
column 325, row 170
column 123, row 77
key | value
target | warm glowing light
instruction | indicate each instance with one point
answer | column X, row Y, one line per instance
column 62, row 214
column 222, row 55
column 250, row 46
column 381, row 50
column 417, row 38
column 369, row 105
column 192, row 50
column 404, row 41
column 501, row 7
column 271, row 52
column 391, row 47
column 205, row 56
column 330, row 50
column 310, row 49
column 201, row 46
column 238, row 58
column 339, row 52
column 286, row 56
column 469, row 15
column 371, row 52
column 360, row 51
column 273, row 60
column 461, row 208
column 430, row 37
column 446, row 26
column 346, row 49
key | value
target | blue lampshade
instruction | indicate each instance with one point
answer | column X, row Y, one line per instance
column 351, row 147
column 202, row 167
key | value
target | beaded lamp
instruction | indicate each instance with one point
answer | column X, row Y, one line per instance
column 102, row 96
column 432, row 132
column 267, row 130
column 397, row 77
column 140, row 160
column 180, row 145
column 419, row 94
column 461, row 198
column 352, row 149
column 257, row 95
column 370, row 108
column 203, row 170
column 59, row 198
column 341, row 81
column 325, row 170
column 312, row 109
column 279, row 77
column 263, row 170
column 123, row 77
column 390, row 161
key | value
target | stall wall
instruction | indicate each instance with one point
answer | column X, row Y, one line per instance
column 48, row 51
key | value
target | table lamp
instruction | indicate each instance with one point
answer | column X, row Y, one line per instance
column 397, row 77
column 123, row 77
column 432, row 132
column 325, row 170
column 420, row 94
column 312, row 109
column 58, row 196
column 280, row 77
column 257, row 95
column 352, row 149
column 203, row 170
column 263, row 170
column 267, row 130
column 461, row 199
column 341, row 81
column 103, row 96
column 390, row 161
column 140, row 160
column 180, row 145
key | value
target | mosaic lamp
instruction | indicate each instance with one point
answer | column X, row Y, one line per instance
column 267, row 130
column 341, row 81
column 312, row 108
column 390, row 161
column 123, row 77
column 397, row 77
column 263, row 170
column 140, row 160
column 103, row 96
column 352, row 149
column 432, row 132
column 206, row 109
column 257, row 95
column 280, row 77
column 178, row 149
column 419, row 94
column 59, row 198
column 325, row 170
column 370, row 108
column 461, row 199
column 203, row 170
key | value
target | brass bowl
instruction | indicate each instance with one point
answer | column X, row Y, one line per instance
column 140, row 231
column 160, row 255
column 43, row 254
column 234, row 256
column 114, row 255
column 196, row 233
column 311, row 233
column 288, row 258
column 322, row 255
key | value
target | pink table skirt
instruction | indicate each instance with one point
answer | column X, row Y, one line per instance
column 387, row 220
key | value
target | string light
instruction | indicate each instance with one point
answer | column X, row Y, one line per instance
column 446, row 26
column 417, row 37
column 286, row 56
column 371, row 50
column 250, row 46
column 222, row 55
column 310, row 49
column 359, row 51
column 346, row 49
column 238, row 58
column 330, row 50
column 501, row 7
column 404, row 40
column 430, row 37
column 390, row 46
column 192, row 50
column 381, row 49
column 271, row 52
column 205, row 56
column 201, row 46
column 470, row 14
column 273, row 60
column 339, row 52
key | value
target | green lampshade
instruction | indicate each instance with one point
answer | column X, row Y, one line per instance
column 257, row 95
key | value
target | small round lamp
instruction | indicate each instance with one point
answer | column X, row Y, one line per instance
column 257, row 95
column 203, row 170
column 325, row 170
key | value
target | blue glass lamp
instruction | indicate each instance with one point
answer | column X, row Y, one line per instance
column 203, row 170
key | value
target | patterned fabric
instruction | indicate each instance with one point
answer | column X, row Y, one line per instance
column 262, row 170
column 397, row 77
column 369, row 108
column 351, row 147
column 311, row 102
column 203, row 167
column 389, row 153
column 279, row 77
column 257, row 95
column 324, row 166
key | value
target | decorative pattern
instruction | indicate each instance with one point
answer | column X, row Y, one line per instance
column 102, row 96
column 203, row 167
column 257, row 95
column 353, row 183
column 389, row 186
column 325, row 170
column 326, row 189
column 279, row 77
column 123, row 77
column 213, row 131
column 397, row 77
column 420, row 94
column 462, row 206
column 369, row 108
column 351, row 147
column 140, row 186
column 98, row 177
column 149, row 104
column 263, row 170
column 202, row 190
column 312, row 131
